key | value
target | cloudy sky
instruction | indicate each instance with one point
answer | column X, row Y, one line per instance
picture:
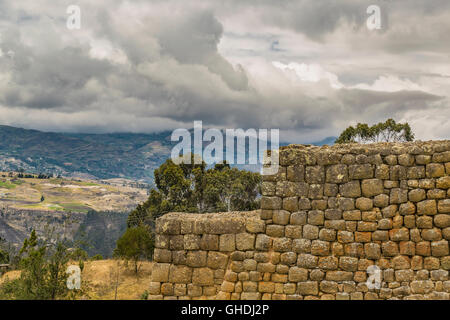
column 307, row 67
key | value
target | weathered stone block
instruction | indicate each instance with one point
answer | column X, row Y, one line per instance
column 160, row 272
column 372, row 251
column 301, row 245
column 407, row 248
column 288, row 259
column 245, row 241
column 372, row 187
column 162, row 255
column 290, row 204
column 308, row 288
column 315, row 191
column 382, row 172
column 281, row 217
column 268, row 188
column 316, row 217
column 227, row 242
column 327, row 234
column 209, row 242
column 263, row 242
column 423, row 159
column 399, row 234
column 307, row 261
column 256, row 225
column 335, row 224
column 407, row 208
column 337, row 173
column 398, row 195
column 439, row 248
column 298, row 218
column 427, row 207
column 422, row 286
column 315, row 174
column 360, row 171
column 339, row 275
column 217, row 260
column 353, row 215
column 168, row 226
column 350, row 189
column 390, row 249
column 275, row 230
column 444, row 206
column 154, row 288
column 282, row 244
column 330, row 189
column 442, row 220
column 431, row 234
column 296, row 173
column 293, row 232
column 196, row 258
column 443, row 182
column 397, row 173
column 298, row 274
column 180, row 274
column 435, row 170
column 273, row 203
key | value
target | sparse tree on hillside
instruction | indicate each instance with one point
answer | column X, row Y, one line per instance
column 134, row 245
column 43, row 272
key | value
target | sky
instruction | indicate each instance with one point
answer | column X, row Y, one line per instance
column 309, row 68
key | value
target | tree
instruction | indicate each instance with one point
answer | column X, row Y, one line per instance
column 194, row 188
column 43, row 272
column 388, row 131
column 134, row 245
column 4, row 254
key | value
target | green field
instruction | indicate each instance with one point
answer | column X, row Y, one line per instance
column 8, row 185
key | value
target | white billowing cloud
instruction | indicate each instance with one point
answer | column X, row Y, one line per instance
column 309, row 73
column 308, row 68
column 390, row 83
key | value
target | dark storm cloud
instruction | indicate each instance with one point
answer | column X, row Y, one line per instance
column 154, row 65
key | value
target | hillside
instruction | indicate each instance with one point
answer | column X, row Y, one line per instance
column 74, row 209
column 98, row 156
column 104, row 156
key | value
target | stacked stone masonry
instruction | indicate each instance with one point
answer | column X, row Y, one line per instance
column 327, row 216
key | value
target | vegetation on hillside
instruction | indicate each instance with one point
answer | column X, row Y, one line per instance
column 135, row 245
column 43, row 274
column 388, row 131
column 99, row 232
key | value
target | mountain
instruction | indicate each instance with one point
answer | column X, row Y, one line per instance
column 104, row 156
column 92, row 156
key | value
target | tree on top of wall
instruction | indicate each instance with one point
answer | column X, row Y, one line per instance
column 388, row 131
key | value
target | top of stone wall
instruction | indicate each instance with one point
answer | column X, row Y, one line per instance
column 211, row 223
column 325, row 155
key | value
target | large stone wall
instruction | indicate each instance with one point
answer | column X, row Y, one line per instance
column 327, row 216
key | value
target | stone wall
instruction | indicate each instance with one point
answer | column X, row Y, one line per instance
column 327, row 216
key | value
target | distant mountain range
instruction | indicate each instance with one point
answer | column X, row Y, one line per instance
column 104, row 156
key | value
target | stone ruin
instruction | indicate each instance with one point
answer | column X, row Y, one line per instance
column 331, row 219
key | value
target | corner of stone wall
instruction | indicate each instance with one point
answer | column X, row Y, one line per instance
column 336, row 211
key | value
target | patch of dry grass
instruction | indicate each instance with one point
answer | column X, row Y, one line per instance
column 103, row 277
column 108, row 280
